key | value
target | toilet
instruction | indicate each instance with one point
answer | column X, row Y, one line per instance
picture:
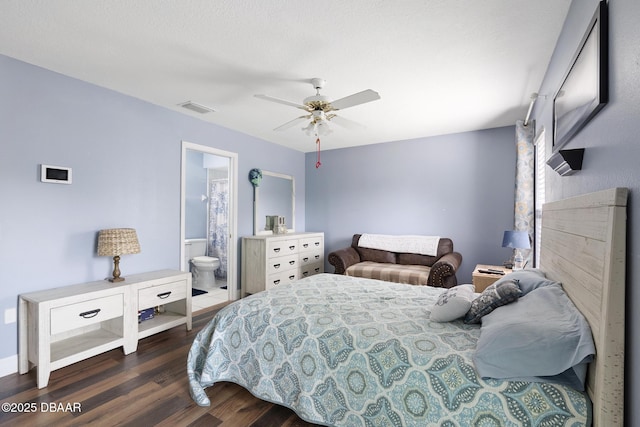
column 202, row 266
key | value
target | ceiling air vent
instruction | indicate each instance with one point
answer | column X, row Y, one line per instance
column 198, row 108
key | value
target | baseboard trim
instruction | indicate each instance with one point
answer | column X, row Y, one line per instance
column 8, row 365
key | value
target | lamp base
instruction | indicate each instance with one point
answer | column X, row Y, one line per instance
column 116, row 270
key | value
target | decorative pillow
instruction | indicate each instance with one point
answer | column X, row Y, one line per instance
column 528, row 280
column 543, row 337
column 453, row 303
column 498, row 294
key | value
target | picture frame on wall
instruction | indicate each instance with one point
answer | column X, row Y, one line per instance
column 585, row 86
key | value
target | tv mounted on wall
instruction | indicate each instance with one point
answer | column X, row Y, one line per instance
column 584, row 89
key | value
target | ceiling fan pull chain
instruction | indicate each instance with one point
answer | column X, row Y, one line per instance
column 318, row 164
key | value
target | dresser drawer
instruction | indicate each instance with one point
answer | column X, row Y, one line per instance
column 282, row 247
column 307, row 258
column 311, row 269
column 85, row 313
column 311, row 244
column 283, row 263
column 281, row 278
column 161, row 294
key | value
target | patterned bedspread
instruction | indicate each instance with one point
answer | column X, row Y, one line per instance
column 348, row 351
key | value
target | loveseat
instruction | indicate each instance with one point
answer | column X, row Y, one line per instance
column 437, row 270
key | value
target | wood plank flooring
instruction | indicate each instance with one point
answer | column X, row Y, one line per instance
column 145, row 388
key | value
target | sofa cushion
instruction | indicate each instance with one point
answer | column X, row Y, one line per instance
column 376, row 255
column 409, row 274
column 416, row 259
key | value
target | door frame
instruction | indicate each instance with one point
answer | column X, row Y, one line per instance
column 232, row 264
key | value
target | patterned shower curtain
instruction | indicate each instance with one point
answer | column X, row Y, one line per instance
column 218, row 223
column 524, row 190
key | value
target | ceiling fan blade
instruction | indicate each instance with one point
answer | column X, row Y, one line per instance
column 355, row 99
column 346, row 123
column 292, row 123
column 282, row 101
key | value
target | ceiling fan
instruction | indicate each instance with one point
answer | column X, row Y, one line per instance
column 321, row 110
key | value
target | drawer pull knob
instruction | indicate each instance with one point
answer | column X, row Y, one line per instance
column 276, row 265
column 276, row 250
column 305, row 259
column 317, row 269
column 275, row 282
column 164, row 295
column 305, row 273
column 292, row 247
column 291, row 262
column 306, row 245
column 317, row 243
column 317, row 256
column 292, row 277
column 89, row 314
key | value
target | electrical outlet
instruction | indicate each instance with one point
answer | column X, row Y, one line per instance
column 10, row 316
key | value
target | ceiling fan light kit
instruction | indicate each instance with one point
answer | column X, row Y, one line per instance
column 321, row 109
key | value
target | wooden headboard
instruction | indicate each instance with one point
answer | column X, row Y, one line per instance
column 584, row 248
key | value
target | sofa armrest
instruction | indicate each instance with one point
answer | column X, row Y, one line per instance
column 443, row 272
column 343, row 259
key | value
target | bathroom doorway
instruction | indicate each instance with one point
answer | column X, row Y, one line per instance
column 208, row 223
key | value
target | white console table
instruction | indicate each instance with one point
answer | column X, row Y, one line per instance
column 61, row 326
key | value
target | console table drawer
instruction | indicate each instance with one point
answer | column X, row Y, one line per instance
column 161, row 294
column 86, row 313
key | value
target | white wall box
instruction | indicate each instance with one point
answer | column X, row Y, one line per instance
column 61, row 326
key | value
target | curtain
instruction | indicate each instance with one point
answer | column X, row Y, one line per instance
column 524, row 188
column 218, row 223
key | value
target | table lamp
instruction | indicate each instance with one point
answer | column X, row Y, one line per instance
column 115, row 242
column 516, row 240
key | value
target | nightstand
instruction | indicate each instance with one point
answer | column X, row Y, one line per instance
column 483, row 280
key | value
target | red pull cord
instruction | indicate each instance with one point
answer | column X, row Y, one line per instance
column 318, row 164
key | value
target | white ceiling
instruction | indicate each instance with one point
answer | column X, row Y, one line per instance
column 440, row 66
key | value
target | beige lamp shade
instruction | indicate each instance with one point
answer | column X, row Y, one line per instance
column 118, row 241
column 115, row 242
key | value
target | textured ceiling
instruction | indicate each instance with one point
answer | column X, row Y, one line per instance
column 440, row 66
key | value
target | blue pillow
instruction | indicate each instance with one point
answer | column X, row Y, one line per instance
column 542, row 337
column 496, row 295
column 528, row 280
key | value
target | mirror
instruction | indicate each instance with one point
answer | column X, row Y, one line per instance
column 276, row 195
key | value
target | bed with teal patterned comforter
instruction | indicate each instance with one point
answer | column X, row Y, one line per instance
column 345, row 351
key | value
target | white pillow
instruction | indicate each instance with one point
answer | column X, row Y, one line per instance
column 453, row 303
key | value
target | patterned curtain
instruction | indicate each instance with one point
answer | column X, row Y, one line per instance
column 525, row 170
column 218, row 225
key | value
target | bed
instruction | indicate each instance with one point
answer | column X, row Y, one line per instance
column 350, row 351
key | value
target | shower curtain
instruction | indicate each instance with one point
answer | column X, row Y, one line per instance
column 218, row 223
column 524, row 188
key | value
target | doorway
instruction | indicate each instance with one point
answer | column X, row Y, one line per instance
column 208, row 217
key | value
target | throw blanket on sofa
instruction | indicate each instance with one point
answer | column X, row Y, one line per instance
column 423, row 245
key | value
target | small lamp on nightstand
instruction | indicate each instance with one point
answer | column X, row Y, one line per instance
column 517, row 240
column 115, row 242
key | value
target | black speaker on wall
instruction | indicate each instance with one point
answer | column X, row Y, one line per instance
column 566, row 162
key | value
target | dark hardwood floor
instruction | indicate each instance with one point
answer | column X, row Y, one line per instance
column 145, row 388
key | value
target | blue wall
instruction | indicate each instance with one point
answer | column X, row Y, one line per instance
column 459, row 186
column 612, row 146
column 125, row 155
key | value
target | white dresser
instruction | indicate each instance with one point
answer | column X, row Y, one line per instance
column 272, row 260
column 61, row 326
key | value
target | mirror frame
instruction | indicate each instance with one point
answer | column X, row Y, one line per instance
column 256, row 197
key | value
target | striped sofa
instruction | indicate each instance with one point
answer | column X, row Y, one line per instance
column 415, row 269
